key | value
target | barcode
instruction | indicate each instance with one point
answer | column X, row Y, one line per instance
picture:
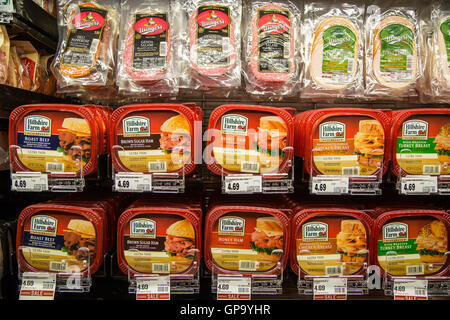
column 431, row 169
column 57, row 266
column 160, row 268
column 163, row 48
column 157, row 166
column 94, row 46
column 163, row 289
column 247, row 166
column 287, row 50
column 409, row 62
column 420, row 292
column 350, row 171
column 48, row 285
column 243, row 290
column 339, row 290
column 247, row 265
column 350, row 63
column 54, row 167
column 333, row 270
column 413, row 270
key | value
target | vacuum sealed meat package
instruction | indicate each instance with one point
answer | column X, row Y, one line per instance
column 393, row 52
column 147, row 51
column 87, row 46
column 333, row 50
column 271, row 44
column 212, row 44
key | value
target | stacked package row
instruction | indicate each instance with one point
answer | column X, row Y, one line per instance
column 322, row 50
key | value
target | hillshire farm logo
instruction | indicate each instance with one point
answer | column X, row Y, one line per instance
column 395, row 232
column 150, row 26
column 233, row 226
column 332, row 131
column 315, row 231
column 143, row 228
column 88, row 20
column 38, row 126
column 44, row 225
column 235, row 124
column 136, row 127
column 415, row 130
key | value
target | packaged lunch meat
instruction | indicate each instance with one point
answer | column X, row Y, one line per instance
column 87, row 45
column 347, row 141
column 250, row 139
column 421, row 142
column 157, row 238
column 271, row 47
column 155, row 138
column 60, row 238
column 148, row 47
column 333, row 50
column 4, row 54
column 246, row 239
column 212, row 44
column 330, row 242
column 29, row 58
column 393, row 52
column 54, row 139
column 412, row 243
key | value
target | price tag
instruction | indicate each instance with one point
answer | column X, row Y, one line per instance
column 419, row 185
column 410, row 289
column 330, row 185
column 234, row 288
column 7, row 6
column 125, row 182
column 330, row 289
column 153, row 288
column 38, row 286
column 246, row 184
column 29, row 182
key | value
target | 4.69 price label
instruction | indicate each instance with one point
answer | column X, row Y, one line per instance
column 35, row 182
column 418, row 185
column 245, row 184
column 125, row 182
column 329, row 185
column 410, row 289
column 330, row 289
column 234, row 288
column 37, row 286
column 153, row 288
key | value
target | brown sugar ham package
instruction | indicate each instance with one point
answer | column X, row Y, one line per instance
column 271, row 45
column 211, row 52
column 147, row 50
column 393, row 52
column 333, row 50
column 87, row 44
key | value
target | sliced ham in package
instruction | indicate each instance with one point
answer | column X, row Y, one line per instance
column 4, row 54
column 271, row 44
column 333, row 50
column 212, row 44
column 29, row 58
column 147, row 52
column 87, row 45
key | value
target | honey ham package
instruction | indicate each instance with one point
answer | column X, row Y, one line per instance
column 330, row 241
column 212, row 44
column 393, row 52
column 246, row 237
column 147, row 59
column 56, row 138
column 344, row 141
column 412, row 243
column 250, row 139
column 160, row 237
column 155, row 138
column 271, row 46
column 333, row 50
column 86, row 52
column 421, row 142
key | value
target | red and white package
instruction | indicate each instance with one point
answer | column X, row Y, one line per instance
column 213, row 38
column 270, row 48
column 4, row 54
column 147, row 56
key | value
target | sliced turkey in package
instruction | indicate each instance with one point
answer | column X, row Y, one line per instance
column 211, row 44
column 271, row 47
column 147, row 50
column 333, row 51
column 393, row 52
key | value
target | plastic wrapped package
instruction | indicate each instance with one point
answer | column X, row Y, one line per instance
column 87, row 46
column 439, row 54
column 333, row 50
column 147, row 51
column 18, row 73
column 271, row 45
column 212, row 44
column 4, row 54
column 393, row 52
